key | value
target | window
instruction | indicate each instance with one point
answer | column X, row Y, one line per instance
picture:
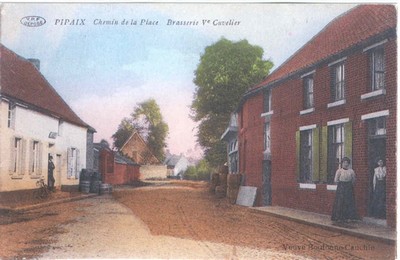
column 60, row 127
column 35, row 162
column 377, row 127
column 337, row 88
column 267, row 137
column 233, row 156
column 306, row 156
column 308, row 92
column 73, row 163
column 267, row 100
column 11, row 115
column 377, row 69
column 336, row 149
column 17, row 161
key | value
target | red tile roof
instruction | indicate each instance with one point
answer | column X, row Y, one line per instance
column 347, row 30
column 20, row 80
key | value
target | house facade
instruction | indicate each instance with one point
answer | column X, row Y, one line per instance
column 136, row 149
column 335, row 97
column 176, row 165
column 35, row 122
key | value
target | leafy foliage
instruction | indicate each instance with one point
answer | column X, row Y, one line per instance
column 147, row 120
column 226, row 71
column 199, row 172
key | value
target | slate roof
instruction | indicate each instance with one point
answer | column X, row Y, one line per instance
column 353, row 27
column 22, row 82
column 172, row 160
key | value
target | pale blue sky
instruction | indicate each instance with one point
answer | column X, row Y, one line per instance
column 103, row 71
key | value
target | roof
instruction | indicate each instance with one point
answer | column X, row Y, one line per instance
column 352, row 28
column 172, row 160
column 119, row 158
column 22, row 81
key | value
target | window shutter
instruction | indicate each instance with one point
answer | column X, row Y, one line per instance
column 315, row 150
column 40, row 159
column 78, row 164
column 69, row 163
column 31, row 156
column 324, row 154
column 12, row 155
column 23, row 157
column 298, row 155
column 348, row 140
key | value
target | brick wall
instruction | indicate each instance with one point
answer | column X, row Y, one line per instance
column 286, row 120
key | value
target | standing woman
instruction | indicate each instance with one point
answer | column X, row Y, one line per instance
column 344, row 207
column 379, row 191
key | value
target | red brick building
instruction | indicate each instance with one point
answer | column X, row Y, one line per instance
column 335, row 97
column 114, row 167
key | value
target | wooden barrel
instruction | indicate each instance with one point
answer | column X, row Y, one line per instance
column 223, row 181
column 234, row 180
column 232, row 194
column 105, row 188
column 220, row 191
column 85, row 186
column 95, row 186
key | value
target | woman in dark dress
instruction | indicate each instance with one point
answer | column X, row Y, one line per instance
column 344, row 207
column 379, row 191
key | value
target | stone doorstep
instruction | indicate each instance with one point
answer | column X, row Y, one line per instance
column 45, row 204
column 367, row 230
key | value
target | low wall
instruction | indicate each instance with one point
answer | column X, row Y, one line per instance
column 153, row 172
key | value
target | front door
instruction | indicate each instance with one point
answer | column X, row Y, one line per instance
column 267, row 183
column 376, row 150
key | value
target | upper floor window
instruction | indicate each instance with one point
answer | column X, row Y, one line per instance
column 338, row 83
column 11, row 115
column 308, row 92
column 377, row 62
column 267, row 100
column 60, row 127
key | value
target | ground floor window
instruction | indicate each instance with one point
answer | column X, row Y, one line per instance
column 73, row 161
column 339, row 146
column 17, row 156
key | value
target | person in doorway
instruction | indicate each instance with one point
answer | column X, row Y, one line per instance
column 379, row 191
column 50, row 175
column 344, row 207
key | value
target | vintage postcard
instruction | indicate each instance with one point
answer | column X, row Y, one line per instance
column 198, row 130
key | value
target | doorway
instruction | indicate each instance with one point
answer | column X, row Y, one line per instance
column 376, row 150
column 267, row 200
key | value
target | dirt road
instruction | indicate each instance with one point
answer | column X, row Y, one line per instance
column 181, row 221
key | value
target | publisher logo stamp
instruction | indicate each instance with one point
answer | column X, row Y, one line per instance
column 33, row 21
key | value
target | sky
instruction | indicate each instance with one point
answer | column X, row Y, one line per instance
column 105, row 58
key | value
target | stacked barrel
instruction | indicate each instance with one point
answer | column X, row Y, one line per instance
column 234, row 181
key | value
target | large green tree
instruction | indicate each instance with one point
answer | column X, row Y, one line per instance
column 226, row 71
column 147, row 120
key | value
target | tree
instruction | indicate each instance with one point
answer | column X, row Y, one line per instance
column 226, row 71
column 147, row 120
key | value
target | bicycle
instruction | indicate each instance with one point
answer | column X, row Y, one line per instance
column 43, row 190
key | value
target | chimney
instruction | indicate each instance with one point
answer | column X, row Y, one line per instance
column 35, row 62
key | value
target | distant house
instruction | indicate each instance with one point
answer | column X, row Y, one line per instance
column 36, row 122
column 136, row 149
column 334, row 97
column 114, row 167
column 176, row 165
